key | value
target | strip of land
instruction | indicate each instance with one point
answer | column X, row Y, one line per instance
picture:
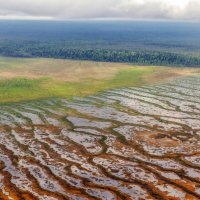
column 31, row 79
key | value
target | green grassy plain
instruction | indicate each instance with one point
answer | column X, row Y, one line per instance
column 33, row 79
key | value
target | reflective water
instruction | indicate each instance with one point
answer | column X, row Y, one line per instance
column 132, row 143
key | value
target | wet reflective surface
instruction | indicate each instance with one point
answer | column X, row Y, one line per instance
column 133, row 143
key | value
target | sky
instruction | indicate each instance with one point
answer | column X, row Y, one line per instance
column 177, row 10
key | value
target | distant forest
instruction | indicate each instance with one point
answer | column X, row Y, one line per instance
column 149, row 43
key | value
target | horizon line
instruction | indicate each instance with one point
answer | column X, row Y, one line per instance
column 101, row 20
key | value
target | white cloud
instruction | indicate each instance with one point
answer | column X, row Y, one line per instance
column 92, row 9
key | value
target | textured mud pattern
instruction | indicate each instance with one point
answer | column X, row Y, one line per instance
column 133, row 143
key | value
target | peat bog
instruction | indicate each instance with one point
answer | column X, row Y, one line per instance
column 127, row 128
column 138, row 142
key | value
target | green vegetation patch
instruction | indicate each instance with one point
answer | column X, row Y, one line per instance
column 18, row 89
column 34, row 79
column 24, row 89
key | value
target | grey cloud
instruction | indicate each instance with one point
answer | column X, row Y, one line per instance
column 192, row 11
column 81, row 9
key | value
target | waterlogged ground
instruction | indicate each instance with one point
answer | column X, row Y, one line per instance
column 133, row 143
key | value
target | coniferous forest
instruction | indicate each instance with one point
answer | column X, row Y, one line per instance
column 132, row 42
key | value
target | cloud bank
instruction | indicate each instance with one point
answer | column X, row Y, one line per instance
column 101, row 9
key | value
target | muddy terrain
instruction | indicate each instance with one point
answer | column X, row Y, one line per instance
column 132, row 143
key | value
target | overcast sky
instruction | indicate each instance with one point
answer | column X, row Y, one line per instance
column 101, row 9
